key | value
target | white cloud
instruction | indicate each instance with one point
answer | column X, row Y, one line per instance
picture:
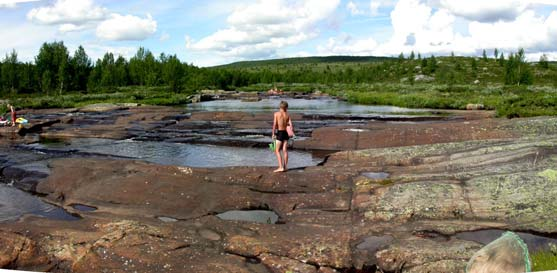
column 259, row 30
column 485, row 11
column 375, row 5
column 351, row 6
column 126, row 27
column 13, row 3
column 427, row 27
column 64, row 12
column 164, row 37
column 347, row 45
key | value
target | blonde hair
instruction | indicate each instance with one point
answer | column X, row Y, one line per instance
column 283, row 105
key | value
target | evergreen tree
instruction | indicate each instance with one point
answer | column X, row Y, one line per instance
column 412, row 56
column 81, row 67
column 502, row 59
column 10, row 72
column 496, row 53
column 484, row 55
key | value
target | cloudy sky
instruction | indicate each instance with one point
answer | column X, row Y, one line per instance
column 210, row 32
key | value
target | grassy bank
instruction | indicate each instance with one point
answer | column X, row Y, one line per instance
column 508, row 101
column 142, row 95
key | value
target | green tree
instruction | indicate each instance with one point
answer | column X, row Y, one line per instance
column 496, row 53
column 543, row 63
column 10, row 72
column 502, row 59
column 412, row 56
column 52, row 61
column 484, row 55
column 432, row 64
column 517, row 71
column 81, row 67
column 121, row 74
column 137, row 67
column 173, row 73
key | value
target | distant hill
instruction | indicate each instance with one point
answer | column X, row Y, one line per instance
column 306, row 60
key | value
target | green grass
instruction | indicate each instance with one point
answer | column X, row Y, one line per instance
column 141, row 95
column 544, row 261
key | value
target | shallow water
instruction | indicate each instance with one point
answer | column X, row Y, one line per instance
column 183, row 154
column 326, row 106
column 258, row 216
column 14, row 203
column 534, row 242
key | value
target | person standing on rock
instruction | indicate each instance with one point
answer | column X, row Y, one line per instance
column 12, row 114
column 281, row 122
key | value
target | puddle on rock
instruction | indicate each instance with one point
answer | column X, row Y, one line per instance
column 15, row 203
column 179, row 154
column 534, row 242
column 375, row 243
column 258, row 216
column 377, row 176
column 84, row 208
column 167, row 219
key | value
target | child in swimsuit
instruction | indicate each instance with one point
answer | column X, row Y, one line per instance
column 281, row 120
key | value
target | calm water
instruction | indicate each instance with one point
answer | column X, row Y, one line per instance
column 183, row 154
column 15, row 203
column 315, row 106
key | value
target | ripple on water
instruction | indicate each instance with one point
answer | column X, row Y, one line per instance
column 15, row 203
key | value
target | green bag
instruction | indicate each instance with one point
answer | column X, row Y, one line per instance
column 507, row 254
column 272, row 146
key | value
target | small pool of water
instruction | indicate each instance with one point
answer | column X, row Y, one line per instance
column 314, row 106
column 15, row 203
column 84, row 208
column 258, row 216
column 183, row 154
column 378, row 176
column 534, row 242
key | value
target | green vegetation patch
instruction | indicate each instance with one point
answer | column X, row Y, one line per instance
column 550, row 174
column 544, row 261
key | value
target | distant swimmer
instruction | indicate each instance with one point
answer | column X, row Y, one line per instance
column 282, row 124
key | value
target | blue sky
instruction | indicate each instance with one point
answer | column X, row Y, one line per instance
column 221, row 31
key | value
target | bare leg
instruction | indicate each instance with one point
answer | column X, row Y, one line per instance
column 285, row 152
column 279, row 158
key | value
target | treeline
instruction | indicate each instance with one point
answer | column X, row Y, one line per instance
column 55, row 71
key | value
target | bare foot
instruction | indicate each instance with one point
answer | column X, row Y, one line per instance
column 285, row 170
column 279, row 170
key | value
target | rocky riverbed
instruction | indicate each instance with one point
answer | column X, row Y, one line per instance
column 390, row 194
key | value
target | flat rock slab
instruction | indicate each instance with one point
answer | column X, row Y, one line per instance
column 162, row 218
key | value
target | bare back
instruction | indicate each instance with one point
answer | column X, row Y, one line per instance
column 282, row 119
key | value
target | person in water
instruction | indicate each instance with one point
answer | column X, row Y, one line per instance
column 280, row 123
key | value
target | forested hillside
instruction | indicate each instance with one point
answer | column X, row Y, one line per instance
column 498, row 80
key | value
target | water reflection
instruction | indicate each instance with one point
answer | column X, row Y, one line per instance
column 315, row 106
column 14, row 203
column 183, row 154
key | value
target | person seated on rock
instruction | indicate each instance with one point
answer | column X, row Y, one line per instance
column 281, row 121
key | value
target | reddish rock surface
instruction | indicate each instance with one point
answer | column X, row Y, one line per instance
column 338, row 217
